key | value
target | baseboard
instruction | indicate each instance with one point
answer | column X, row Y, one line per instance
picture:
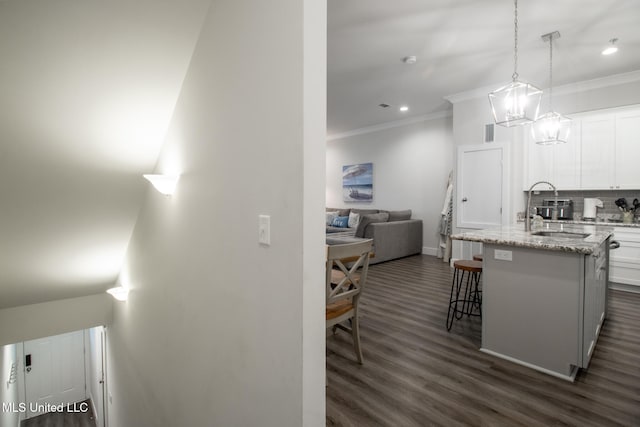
column 429, row 251
column 570, row 377
column 624, row 287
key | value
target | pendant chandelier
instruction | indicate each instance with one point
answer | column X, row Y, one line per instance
column 518, row 102
column 552, row 127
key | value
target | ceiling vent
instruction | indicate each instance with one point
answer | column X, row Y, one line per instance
column 488, row 132
column 383, row 105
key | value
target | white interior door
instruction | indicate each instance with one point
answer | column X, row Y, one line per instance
column 54, row 371
column 480, row 182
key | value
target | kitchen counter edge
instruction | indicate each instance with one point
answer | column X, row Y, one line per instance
column 514, row 235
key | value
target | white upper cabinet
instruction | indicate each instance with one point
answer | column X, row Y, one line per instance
column 601, row 154
column 627, row 154
column 598, row 139
column 558, row 164
column 540, row 164
column 566, row 160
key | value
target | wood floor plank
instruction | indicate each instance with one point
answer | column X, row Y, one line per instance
column 415, row 373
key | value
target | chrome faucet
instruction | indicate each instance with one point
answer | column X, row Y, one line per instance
column 554, row 215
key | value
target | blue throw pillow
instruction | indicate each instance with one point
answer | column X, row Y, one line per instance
column 341, row 221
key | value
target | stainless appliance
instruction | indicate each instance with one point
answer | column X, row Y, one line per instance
column 565, row 209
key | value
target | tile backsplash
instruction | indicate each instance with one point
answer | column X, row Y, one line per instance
column 608, row 197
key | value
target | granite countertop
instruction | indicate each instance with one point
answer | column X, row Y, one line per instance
column 514, row 235
column 598, row 222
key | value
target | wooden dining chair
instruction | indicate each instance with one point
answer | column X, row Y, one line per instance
column 347, row 265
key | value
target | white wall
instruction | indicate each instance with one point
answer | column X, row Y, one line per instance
column 411, row 165
column 216, row 325
column 28, row 322
column 8, row 391
column 470, row 115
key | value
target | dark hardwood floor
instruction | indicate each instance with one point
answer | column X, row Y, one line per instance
column 415, row 373
column 63, row 419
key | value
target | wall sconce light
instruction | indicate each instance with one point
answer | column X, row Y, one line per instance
column 119, row 292
column 165, row 184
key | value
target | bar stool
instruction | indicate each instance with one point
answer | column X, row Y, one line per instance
column 466, row 275
column 478, row 257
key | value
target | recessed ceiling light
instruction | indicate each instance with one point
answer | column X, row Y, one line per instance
column 404, row 108
column 611, row 49
column 410, row 60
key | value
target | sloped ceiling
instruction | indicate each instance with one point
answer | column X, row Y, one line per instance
column 462, row 45
column 87, row 89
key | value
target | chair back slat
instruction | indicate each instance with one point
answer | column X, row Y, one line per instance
column 356, row 255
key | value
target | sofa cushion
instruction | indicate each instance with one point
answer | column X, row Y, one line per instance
column 331, row 216
column 341, row 222
column 354, row 219
column 399, row 215
column 341, row 212
column 365, row 211
column 367, row 219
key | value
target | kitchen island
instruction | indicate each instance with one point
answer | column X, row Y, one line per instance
column 544, row 294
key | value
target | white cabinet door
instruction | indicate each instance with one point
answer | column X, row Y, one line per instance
column 566, row 160
column 627, row 155
column 597, row 151
column 625, row 261
column 540, row 164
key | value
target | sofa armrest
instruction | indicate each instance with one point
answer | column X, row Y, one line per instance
column 395, row 239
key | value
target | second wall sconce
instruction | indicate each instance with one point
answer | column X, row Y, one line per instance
column 165, row 184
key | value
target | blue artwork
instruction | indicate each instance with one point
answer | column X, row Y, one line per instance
column 357, row 182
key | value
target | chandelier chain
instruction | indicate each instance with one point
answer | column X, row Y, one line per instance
column 551, row 72
column 515, row 42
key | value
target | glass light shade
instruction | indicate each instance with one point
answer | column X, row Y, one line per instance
column 551, row 128
column 515, row 104
column 165, row 184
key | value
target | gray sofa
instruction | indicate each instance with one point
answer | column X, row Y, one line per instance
column 394, row 233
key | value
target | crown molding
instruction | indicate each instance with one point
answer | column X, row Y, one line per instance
column 613, row 80
column 390, row 125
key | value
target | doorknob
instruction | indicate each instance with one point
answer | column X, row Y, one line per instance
column 464, row 199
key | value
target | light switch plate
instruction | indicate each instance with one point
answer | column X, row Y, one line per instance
column 264, row 229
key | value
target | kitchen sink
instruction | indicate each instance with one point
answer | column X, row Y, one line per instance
column 561, row 234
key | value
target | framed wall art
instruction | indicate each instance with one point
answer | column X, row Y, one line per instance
column 357, row 182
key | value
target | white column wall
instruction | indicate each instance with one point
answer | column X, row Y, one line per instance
column 217, row 325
